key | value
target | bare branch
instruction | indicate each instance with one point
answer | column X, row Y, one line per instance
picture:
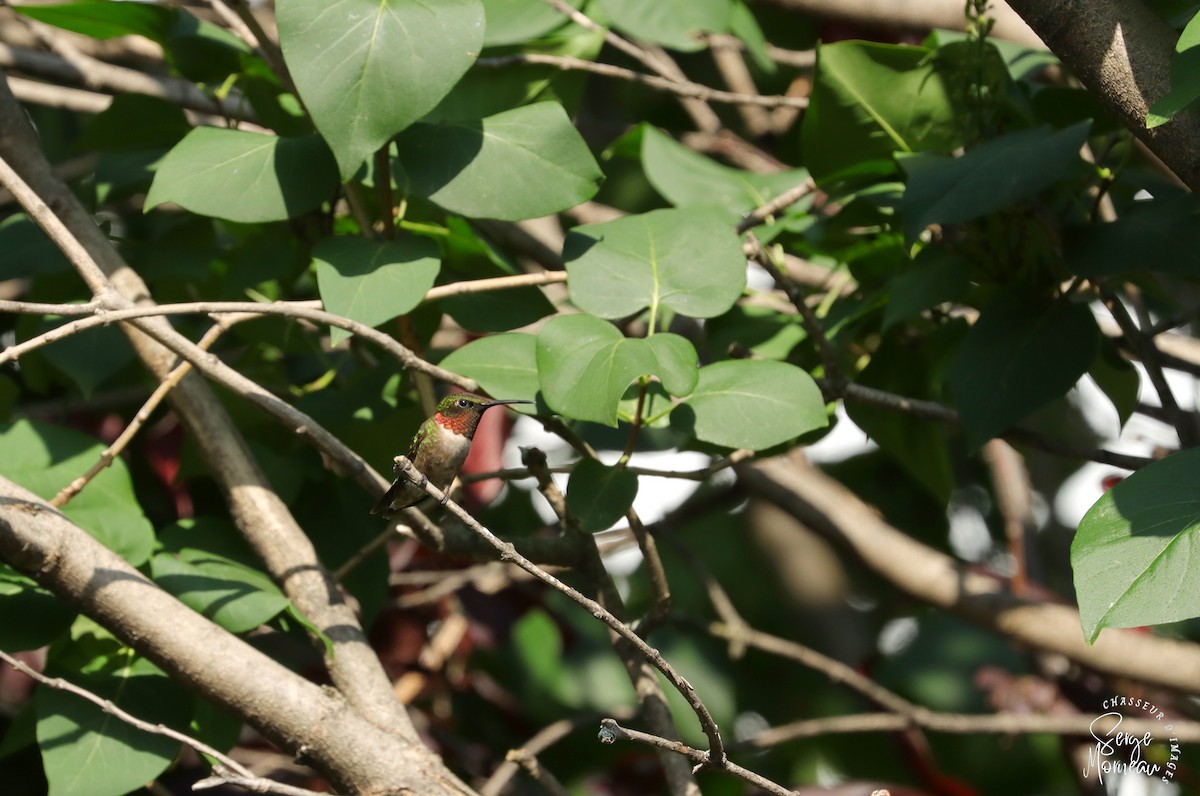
column 509, row 553
column 611, row 732
column 680, row 87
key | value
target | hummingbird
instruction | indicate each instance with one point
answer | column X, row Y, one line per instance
column 439, row 448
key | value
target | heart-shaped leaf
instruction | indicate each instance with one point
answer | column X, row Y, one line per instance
column 585, row 364
column 753, row 404
column 688, row 260
column 373, row 281
column 1137, row 549
column 244, row 176
column 522, row 163
column 367, row 70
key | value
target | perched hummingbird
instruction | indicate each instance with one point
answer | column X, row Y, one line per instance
column 439, row 448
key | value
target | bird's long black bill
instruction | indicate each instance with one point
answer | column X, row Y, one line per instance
column 509, row 401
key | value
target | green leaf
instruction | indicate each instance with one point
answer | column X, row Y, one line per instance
column 676, row 24
column 870, row 100
column 523, row 163
column 503, row 364
column 743, row 25
column 135, row 121
column 205, row 565
column 765, row 332
column 689, row 261
column 1116, row 378
column 87, row 752
column 1136, row 550
column 1185, row 77
column 688, row 179
column 911, row 370
column 936, row 276
column 27, row 250
column 367, row 70
column 106, row 20
column 373, row 281
column 1005, row 170
column 753, row 404
column 584, row 365
column 44, row 458
column 1158, row 234
column 243, row 176
column 90, row 358
column 598, row 495
column 498, row 311
column 33, row 616
column 1019, row 356
column 515, row 21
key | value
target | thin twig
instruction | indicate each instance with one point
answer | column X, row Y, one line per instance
column 111, row 708
column 686, row 88
column 761, row 214
column 1014, row 496
column 812, row 324
column 103, row 316
column 109, row 454
column 727, row 55
column 624, row 45
column 509, row 553
column 1147, row 352
column 660, row 586
column 540, row 742
column 611, row 732
column 253, row 784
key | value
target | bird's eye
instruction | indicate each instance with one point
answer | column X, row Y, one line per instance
column 463, row 403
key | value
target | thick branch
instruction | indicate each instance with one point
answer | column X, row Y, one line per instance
column 294, row 713
column 1121, row 51
column 826, row 506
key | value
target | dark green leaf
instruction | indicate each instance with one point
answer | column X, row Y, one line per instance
column 753, row 404
column 135, row 121
column 33, row 617
column 244, row 176
column 1157, row 234
column 368, row 70
column 921, row 448
column 1135, row 553
column 498, row 311
column 584, row 365
column 503, row 364
column 686, row 260
column 373, row 281
column 89, row 358
column 1005, row 170
column 1019, row 356
column 676, row 24
column 870, row 100
column 1117, row 378
column 936, row 276
column 44, row 458
column 27, row 250
column 523, row 163
column 599, row 495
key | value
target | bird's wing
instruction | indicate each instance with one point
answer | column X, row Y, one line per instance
column 384, row 503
